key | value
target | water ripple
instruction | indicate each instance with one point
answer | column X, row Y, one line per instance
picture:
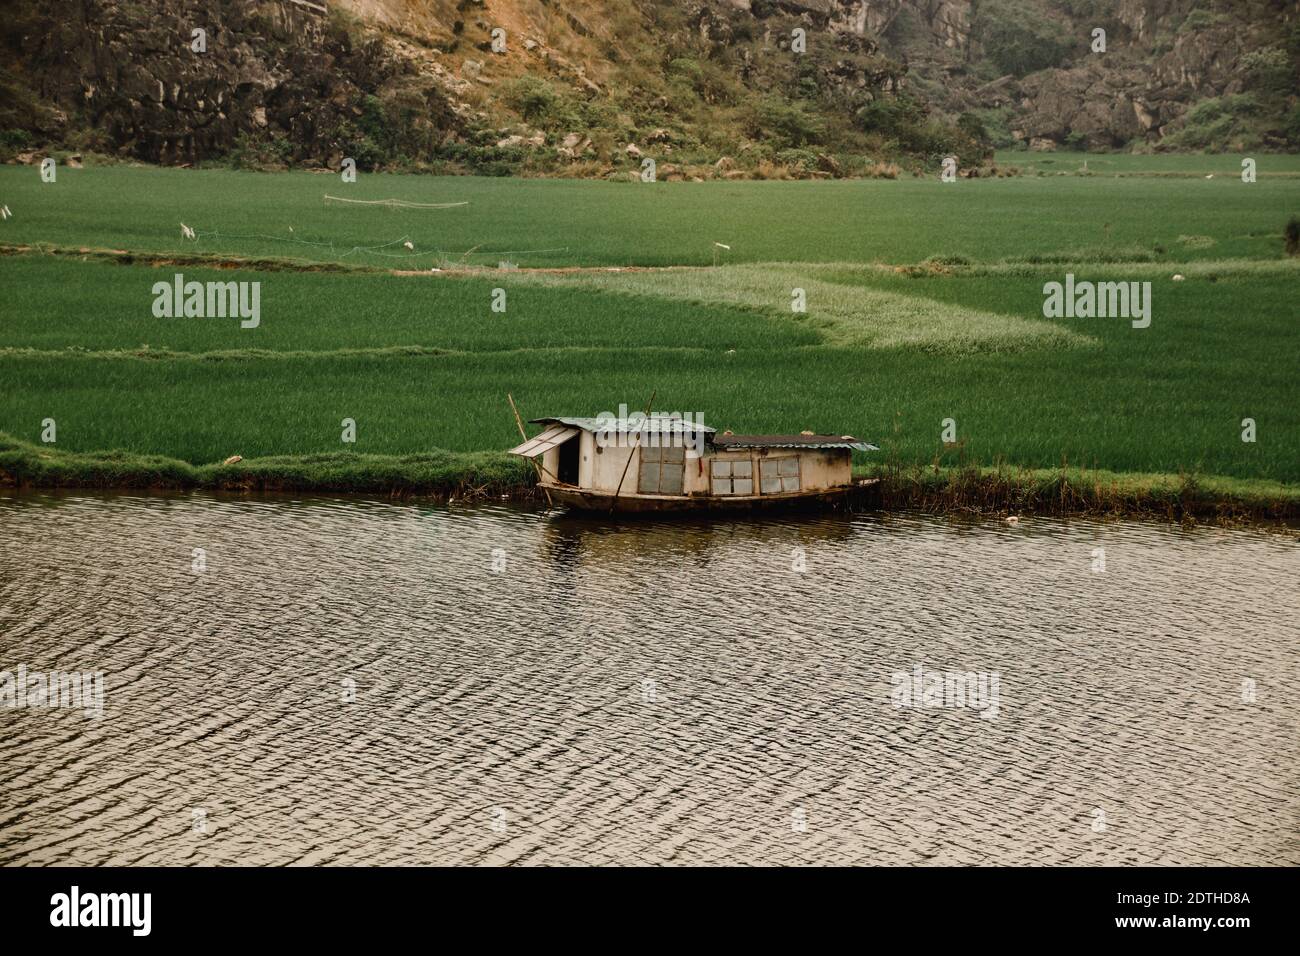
column 359, row 682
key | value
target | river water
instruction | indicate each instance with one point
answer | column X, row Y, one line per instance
column 341, row 681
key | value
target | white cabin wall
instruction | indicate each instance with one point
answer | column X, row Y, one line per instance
column 586, row 458
column 607, row 466
column 695, row 476
column 551, row 464
column 826, row 469
column 608, row 463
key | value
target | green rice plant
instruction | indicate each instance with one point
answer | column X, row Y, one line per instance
column 924, row 303
column 552, row 223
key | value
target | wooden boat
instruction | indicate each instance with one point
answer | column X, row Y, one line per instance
column 668, row 464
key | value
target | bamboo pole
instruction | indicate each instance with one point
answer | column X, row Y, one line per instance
column 536, row 464
column 628, row 463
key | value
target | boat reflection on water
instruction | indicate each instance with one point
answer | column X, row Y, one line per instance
column 571, row 538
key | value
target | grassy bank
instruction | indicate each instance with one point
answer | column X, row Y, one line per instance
column 1075, row 491
column 435, row 473
column 493, row 475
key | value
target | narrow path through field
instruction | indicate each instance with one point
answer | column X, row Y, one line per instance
column 841, row 314
column 844, row 315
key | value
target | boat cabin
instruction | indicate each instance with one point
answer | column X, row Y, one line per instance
column 658, row 463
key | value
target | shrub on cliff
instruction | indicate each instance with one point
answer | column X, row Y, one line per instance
column 1018, row 38
column 1269, row 71
column 787, row 125
column 1221, row 123
column 264, row 151
column 13, row 142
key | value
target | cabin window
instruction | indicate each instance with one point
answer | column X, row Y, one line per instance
column 779, row 474
column 661, row 469
column 732, row 477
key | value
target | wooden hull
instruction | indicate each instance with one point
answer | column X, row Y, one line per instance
column 581, row 500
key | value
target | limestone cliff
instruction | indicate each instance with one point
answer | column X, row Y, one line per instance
column 583, row 86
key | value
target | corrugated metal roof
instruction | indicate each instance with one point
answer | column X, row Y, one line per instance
column 667, row 425
column 792, row 441
column 541, row 444
column 664, row 425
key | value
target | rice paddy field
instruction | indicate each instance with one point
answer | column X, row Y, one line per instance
column 924, row 303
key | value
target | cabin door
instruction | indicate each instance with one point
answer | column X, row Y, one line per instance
column 569, row 461
column 662, row 469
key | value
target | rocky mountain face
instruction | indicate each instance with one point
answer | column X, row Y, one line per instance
column 1161, row 58
column 586, row 85
column 1056, row 78
column 176, row 81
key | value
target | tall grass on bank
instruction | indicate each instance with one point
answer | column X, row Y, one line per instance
column 434, row 473
column 1076, row 491
column 478, row 475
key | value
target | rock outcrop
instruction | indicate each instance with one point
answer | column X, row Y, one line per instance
column 179, row 81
